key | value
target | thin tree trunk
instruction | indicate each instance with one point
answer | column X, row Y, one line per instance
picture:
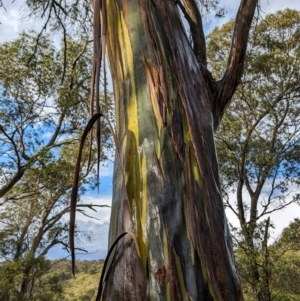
column 266, row 293
column 25, row 282
column 166, row 180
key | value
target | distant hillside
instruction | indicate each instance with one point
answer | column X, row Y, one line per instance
column 85, row 284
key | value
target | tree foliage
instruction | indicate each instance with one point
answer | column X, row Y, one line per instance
column 44, row 100
column 258, row 141
column 284, row 263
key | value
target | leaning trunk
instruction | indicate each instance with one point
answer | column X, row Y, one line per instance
column 166, row 181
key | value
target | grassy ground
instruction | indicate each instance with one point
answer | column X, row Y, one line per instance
column 80, row 286
column 85, row 284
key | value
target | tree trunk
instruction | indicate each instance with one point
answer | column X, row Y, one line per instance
column 23, row 287
column 166, row 180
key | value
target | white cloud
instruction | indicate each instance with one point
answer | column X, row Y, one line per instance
column 280, row 218
column 231, row 7
column 99, row 233
column 271, row 6
column 283, row 218
column 266, row 6
column 13, row 21
column 96, row 248
column 97, row 228
column 102, row 214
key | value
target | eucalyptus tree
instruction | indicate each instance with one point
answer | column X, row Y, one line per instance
column 166, row 183
column 167, row 191
column 258, row 141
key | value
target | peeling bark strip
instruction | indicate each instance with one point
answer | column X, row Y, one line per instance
column 166, row 180
column 75, row 185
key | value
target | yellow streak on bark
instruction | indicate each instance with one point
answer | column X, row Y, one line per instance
column 188, row 226
column 132, row 103
column 166, row 261
column 168, row 289
column 113, row 49
column 156, row 113
column 142, row 214
column 180, row 277
column 145, row 192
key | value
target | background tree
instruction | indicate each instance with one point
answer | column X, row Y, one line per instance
column 284, row 263
column 44, row 96
column 258, row 141
column 44, row 99
column 286, row 271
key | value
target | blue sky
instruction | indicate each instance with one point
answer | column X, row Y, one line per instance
column 12, row 23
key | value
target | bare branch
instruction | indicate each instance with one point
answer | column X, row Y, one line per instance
column 38, row 38
column 12, row 182
column 235, row 63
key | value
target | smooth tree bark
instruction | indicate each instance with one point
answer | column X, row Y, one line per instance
column 166, row 187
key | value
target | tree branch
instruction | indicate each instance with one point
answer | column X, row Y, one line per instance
column 12, row 182
column 235, row 63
